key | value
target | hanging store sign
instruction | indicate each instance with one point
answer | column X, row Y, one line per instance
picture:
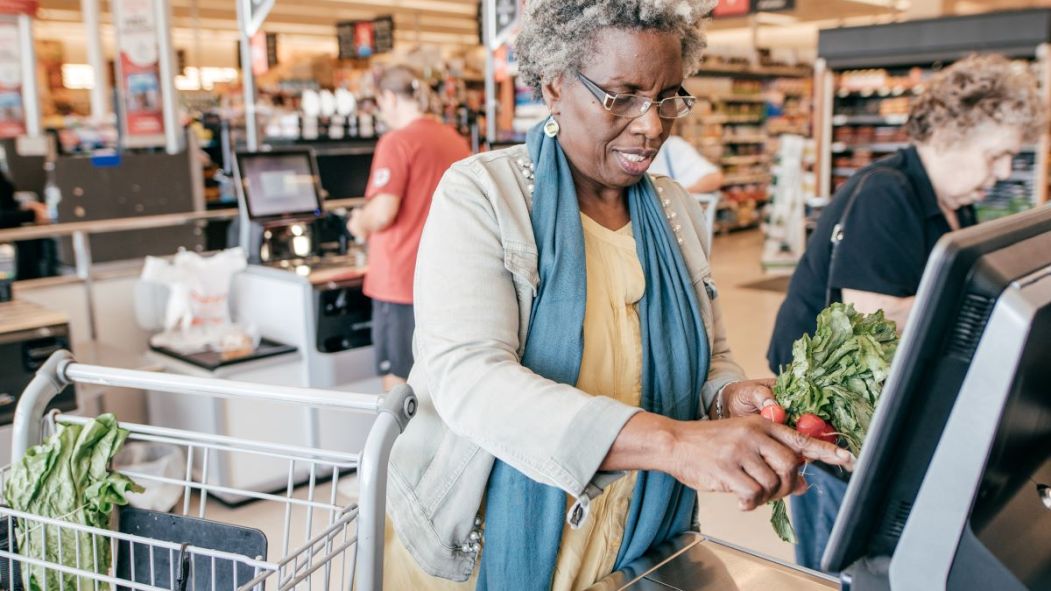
column 732, row 8
column 257, row 43
column 12, row 110
column 383, row 34
column 773, row 5
column 142, row 112
column 271, row 50
column 358, row 39
column 19, row 7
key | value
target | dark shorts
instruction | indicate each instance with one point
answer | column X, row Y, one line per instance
column 392, row 328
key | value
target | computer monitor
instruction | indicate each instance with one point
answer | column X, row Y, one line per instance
column 345, row 173
column 951, row 487
column 279, row 185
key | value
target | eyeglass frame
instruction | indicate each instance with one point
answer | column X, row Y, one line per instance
column 607, row 99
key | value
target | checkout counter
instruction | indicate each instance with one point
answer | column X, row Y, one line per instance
column 693, row 562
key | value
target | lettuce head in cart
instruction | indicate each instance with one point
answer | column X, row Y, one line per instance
column 68, row 478
column 831, row 388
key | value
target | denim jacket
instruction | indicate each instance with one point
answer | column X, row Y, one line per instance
column 476, row 277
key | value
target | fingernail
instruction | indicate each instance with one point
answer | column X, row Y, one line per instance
column 769, row 402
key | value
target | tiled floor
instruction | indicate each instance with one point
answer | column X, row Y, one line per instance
column 749, row 315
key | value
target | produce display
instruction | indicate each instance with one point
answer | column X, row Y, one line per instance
column 831, row 388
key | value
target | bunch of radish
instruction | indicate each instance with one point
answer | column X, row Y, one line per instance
column 808, row 424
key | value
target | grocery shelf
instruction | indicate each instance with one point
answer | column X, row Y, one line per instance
column 745, row 179
column 745, row 139
column 840, row 147
column 752, row 72
column 744, row 159
column 879, row 93
column 1022, row 176
column 843, row 171
column 743, row 120
column 738, row 98
column 840, row 120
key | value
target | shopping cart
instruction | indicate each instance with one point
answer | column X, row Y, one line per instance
column 332, row 553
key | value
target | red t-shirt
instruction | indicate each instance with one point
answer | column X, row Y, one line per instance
column 408, row 164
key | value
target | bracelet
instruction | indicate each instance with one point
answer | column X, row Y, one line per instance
column 720, row 410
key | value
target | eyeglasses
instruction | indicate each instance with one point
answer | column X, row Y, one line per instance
column 634, row 105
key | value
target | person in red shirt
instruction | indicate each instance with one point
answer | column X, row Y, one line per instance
column 410, row 159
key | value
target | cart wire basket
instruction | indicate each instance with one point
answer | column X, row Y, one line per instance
column 323, row 545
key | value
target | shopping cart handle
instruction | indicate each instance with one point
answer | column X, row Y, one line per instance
column 401, row 404
column 49, row 380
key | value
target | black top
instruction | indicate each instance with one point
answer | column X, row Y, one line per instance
column 889, row 234
column 11, row 214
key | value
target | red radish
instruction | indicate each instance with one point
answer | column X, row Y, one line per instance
column 774, row 412
column 814, row 426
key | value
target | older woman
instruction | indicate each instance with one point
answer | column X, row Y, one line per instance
column 568, row 338
column 966, row 127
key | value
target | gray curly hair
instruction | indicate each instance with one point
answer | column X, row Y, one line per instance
column 558, row 36
column 976, row 90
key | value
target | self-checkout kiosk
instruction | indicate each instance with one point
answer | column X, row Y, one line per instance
column 295, row 293
column 307, row 306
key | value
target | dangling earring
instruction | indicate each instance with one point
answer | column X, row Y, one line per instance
column 551, row 128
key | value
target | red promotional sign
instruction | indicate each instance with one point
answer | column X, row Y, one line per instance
column 140, row 72
column 12, row 111
column 364, row 43
column 260, row 63
column 730, row 8
column 19, row 7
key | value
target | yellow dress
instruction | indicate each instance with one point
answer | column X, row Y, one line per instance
column 611, row 366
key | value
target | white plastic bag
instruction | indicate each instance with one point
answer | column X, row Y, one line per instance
column 197, row 315
column 153, row 459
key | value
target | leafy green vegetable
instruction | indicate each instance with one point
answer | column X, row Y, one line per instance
column 68, row 478
column 838, row 375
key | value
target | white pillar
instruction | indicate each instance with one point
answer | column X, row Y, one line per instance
column 100, row 104
column 489, row 30
column 173, row 133
column 247, row 76
column 30, row 92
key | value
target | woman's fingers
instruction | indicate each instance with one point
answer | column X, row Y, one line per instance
column 749, row 493
column 748, row 398
column 785, row 463
column 813, row 449
column 757, row 468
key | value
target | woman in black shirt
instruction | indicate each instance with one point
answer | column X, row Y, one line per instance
column 966, row 128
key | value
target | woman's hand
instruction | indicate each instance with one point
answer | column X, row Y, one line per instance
column 753, row 458
column 743, row 399
column 40, row 212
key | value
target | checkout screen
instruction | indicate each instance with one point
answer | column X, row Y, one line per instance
column 279, row 184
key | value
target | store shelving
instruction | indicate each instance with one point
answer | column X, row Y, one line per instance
column 866, row 80
column 745, row 139
column 730, row 160
column 740, row 113
column 745, row 179
column 839, row 120
column 886, row 147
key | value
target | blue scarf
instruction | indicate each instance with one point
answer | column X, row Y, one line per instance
column 524, row 519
